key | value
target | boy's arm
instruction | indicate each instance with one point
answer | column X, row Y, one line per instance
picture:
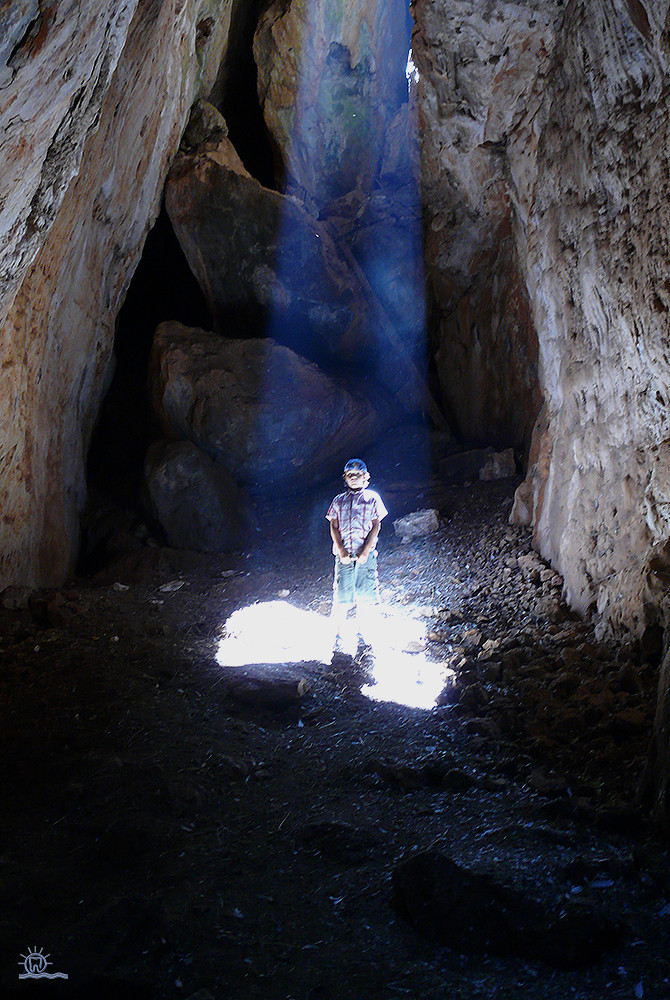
column 370, row 541
column 337, row 539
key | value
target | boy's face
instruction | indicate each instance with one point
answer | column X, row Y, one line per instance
column 356, row 479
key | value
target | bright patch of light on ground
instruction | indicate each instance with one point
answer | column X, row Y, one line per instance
column 275, row 632
column 398, row 668
column 401, row 672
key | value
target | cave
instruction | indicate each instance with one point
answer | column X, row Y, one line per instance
column 243, row 243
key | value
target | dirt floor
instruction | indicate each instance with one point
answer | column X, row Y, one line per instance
column 172, row 826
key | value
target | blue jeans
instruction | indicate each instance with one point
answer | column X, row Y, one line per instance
column 356, row 582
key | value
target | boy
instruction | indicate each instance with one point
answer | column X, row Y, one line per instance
column 355, row 518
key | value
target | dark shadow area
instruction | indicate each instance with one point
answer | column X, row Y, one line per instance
column 235, row 94
column 167, row 829
column 163, row 288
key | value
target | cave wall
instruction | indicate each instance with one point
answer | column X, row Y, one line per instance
column 92, row 107
column 480, row 84
column 545, row 182
column 598, row 271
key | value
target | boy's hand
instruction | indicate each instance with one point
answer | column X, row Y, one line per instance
column 363, row 558
column 345, row 558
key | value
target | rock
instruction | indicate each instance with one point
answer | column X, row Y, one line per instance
column 264, row 261
column 265, row 685
column 330, row 105
column 472, row 639
column 545, row 784
column 247, row 404
column 15, row 598
column 531, row 566
column 602, row 513
column 479, row 146
column 416, row 524
column 338, row 842
column 196, row 502
column 522, row 508
column 464, row 466
column 259, row 255
column 472, row 913
column 104, row 95
column 500, row 465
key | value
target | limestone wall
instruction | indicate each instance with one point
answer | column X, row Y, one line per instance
column 481, row 70
column 598, row 271
column 93, row 100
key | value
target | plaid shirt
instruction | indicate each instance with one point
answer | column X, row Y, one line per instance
column 354, row 511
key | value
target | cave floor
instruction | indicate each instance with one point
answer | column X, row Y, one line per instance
column 170, row 829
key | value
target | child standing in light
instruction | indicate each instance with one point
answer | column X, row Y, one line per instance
column 355, row 518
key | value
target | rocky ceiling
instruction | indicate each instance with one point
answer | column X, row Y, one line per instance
column 532, row 149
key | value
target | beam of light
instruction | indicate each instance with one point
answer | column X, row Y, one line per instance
column 275, row 632
column 351, row 158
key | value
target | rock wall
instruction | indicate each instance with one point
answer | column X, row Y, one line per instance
column 480, row 76
column 598, row 271
column 92, row 106
column 331, row 80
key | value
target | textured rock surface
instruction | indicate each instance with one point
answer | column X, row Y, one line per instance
column 261, row 258
column 198, row 504
column 332, row 84
column 103, row 97
column 266, row 265
column 599, row 277
column 331, row 81
column 479, row 89
column 248, row 403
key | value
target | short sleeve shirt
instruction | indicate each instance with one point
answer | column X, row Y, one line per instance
column 354, row 511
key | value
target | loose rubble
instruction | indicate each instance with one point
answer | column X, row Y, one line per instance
column 256, row 829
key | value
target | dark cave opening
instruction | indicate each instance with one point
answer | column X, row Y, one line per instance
column 162, row 288
column 235, row 94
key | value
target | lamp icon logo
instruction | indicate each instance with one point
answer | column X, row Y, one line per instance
column 35, row 964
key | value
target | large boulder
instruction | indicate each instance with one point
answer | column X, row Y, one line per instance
column 261, row 258
column 266, row 265
column 93, row 101
column 197, row 503
column 267, row 415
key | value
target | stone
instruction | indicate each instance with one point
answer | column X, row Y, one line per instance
column 265, row 685
column 464, row 466
column 331, row 80
column 246, row 403
column 417, row 524
column 15, row 598
column 104, row 95
column 261, row 258
column 197, row 503
column 500, row 465
column 479, row 94
column 471, row 912
column 531, row 567
column 594, row 237
column 266, row 263
column 338, row 842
